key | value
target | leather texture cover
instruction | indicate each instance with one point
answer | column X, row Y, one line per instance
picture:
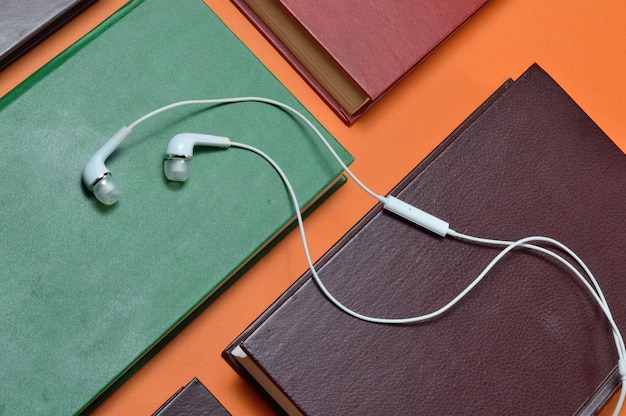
column 192, row 400
column 24, row 23
column 376, row 43
column 529, row 339
column 88, row 292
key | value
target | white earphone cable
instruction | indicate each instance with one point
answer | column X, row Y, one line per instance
column 591, row 284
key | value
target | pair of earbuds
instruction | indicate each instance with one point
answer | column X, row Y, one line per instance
column 97, row 178
column 177, row 167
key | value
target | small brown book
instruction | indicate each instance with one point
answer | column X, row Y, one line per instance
column 528, row 340
column 192, row 400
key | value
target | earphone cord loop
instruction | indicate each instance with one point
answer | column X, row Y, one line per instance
column 593, row 287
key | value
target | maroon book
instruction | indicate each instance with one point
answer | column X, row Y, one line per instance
column 366, row 46
column 528, row 340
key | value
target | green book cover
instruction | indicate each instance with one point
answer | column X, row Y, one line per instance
column 87, row 291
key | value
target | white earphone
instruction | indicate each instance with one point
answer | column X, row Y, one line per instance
column 98, row 179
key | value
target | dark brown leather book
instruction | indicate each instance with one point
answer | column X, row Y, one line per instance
column 192, row 400
column 528, row 340
column 352, row 52
column 24, row 23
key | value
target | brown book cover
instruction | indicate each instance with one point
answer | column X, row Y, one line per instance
column 352, row 52
column 24, row 23
column 192, row 400
column 528, row 340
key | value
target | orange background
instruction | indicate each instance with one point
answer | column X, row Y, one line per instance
column 581, row 44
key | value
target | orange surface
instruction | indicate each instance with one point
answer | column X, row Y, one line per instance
column 581, row 44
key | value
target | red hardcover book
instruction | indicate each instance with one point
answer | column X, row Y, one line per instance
column 528, row 340
column 352, row 52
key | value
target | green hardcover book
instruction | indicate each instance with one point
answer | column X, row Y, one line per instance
column 88, row 291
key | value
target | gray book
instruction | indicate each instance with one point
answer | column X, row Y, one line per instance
column 25, row 23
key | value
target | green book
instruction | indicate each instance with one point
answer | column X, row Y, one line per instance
column 88, row 292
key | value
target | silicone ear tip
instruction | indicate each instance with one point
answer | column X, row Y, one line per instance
column 107, row 190
column 177, row 169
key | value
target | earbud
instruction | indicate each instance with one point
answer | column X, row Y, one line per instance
column 180, row 150
column 97, row 177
